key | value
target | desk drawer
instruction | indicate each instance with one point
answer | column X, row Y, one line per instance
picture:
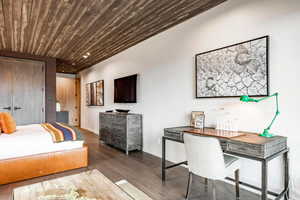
column 174, row 135
column 246, row 149
column 257, row 150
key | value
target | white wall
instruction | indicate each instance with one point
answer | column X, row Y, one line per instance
column 165, row 64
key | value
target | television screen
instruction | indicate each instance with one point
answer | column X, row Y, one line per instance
column 125, row 89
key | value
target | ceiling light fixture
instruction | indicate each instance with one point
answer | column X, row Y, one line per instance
column 86, row 55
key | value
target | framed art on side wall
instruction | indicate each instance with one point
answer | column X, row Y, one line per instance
column 95, row 93
column 233, row 71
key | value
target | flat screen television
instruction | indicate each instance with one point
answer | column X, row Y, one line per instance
column 125, row 89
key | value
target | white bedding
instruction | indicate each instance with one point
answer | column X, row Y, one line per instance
column 30, row 140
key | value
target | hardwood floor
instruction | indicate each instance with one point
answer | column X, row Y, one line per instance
column 142, row 170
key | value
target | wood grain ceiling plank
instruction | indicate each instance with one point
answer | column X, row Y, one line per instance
column 130, row 23
column 7, row 10
column 45, row 29
column 17, row 24
column 139, row 28
column 83, row 10
column 57, row 22
column 37, row 40
column 109, row 16
column 113, row 28
column 104, row 36
column 72, row 23
column 150, row 32
column 2, row 27
column 26, row 8
column 12, row 21
column 80, row 24
column 68, row 29
column 35, row 16
column 53, row 25
column 64, row 31
column 153, row 30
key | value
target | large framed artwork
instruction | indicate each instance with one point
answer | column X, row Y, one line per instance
column 95, row 93
column 233, row 71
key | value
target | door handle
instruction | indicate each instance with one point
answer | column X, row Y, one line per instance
column 7, row 108
column 17, row 108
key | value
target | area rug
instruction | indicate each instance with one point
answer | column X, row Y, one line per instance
column 132, row 191
column 88, row 185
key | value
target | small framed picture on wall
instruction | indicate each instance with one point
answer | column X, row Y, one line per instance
column 95, row 93
column 197, row 119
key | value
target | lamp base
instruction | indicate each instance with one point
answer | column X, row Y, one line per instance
column 266, row 134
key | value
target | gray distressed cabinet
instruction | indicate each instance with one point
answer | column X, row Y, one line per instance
column 121, row 130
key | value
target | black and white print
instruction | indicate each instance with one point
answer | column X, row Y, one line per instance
column 236, row 70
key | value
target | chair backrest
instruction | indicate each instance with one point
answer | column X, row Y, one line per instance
column 205, row 156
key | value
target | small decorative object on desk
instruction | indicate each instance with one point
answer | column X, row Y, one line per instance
column 197, row 119
column 227, row 123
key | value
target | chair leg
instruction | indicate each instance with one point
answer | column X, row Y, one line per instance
column 188, row 191
column 214, row 190
column 237, row 183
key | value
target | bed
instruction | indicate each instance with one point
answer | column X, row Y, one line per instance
column 30, row 152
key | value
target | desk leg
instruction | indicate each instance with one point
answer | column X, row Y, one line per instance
column 286, row 175
column 264, row 180
column 163, row 160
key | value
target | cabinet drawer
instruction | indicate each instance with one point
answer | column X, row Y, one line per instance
column 105, row 136
column 119, row 142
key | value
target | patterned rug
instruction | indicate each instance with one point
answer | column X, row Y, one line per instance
column 88, row 185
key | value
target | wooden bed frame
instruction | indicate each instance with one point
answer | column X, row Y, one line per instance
column 22, row 168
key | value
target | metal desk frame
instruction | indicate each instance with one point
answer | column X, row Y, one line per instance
column 264, row 170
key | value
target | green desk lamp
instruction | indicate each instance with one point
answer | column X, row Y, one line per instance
column 266, row 132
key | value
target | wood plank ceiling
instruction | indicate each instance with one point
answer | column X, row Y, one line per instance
column 70, row 30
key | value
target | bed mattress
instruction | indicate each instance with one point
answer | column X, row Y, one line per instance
column 30, row 140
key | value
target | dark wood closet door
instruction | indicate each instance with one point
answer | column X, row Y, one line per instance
column 29, row 92
column 5, row 86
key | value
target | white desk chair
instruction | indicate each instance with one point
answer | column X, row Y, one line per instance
column 206, row 159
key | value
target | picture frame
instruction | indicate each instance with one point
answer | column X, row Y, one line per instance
column 95, row 93
column 233, row 71
column 198, row 119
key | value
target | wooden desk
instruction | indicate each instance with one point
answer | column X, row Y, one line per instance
column 242, row 144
